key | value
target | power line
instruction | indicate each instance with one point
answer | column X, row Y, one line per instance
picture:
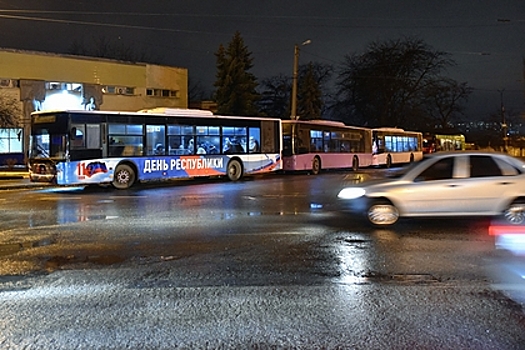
column 461, row 23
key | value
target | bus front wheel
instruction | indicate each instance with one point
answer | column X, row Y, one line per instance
column 316, row 166
column 124, row 177
column 234, row 170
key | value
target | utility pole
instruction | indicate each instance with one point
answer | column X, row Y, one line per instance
column 503, row 121
column 293, row 110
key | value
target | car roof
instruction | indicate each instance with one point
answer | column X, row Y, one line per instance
column 517, row 161
column 467, row 153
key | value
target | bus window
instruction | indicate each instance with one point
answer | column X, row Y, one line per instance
column 121, row 143
column 254, row 142
column 125, row 146
column 233, row 140
column 302, row 144
column 208, row 139
column 155, row 140
column 187, row 139
column 174, row 140
column 316, row 140
column 78, row 140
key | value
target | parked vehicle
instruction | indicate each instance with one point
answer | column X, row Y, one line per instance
column 121, row 148
column 444, row 184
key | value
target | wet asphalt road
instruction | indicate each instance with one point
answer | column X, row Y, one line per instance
column 264, row 263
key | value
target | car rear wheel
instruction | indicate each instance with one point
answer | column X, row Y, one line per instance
column 382, row 213
column 515, row 214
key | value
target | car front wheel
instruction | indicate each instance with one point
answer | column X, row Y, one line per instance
column 382, row 214
column 515, row 214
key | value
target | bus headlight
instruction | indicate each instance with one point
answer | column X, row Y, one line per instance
column 351, row 193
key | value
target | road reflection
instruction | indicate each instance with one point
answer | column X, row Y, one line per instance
column 508, row 264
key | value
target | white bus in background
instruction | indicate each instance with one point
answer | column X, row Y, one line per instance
column 317, row 145
column 396, row 146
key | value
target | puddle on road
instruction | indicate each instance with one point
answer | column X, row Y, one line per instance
column 403, row 278
column 56, row 262
column 13, row 248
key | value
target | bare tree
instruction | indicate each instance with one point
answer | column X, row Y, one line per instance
column 10, row 111
column 444, row 102
column 196, row 91
column 386, row 85
column 276, row 91
column 275, row 96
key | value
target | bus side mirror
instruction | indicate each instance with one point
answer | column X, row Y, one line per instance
column 73, row 133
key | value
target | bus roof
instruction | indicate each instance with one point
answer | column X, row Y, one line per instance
column 176, row 111
column 159, row 112
column 324, row 122
column 389, row 129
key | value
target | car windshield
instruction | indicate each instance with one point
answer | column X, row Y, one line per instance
column 396, row 173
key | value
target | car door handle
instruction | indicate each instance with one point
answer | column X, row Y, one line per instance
column 506, row 183
column 453, row 185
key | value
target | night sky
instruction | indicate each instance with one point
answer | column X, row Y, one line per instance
column 486, row 38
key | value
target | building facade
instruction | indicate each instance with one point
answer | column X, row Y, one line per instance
column 45, row 81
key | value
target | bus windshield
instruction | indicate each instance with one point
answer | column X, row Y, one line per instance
column 45, row 144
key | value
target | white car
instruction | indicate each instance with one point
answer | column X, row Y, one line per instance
column 445, row 184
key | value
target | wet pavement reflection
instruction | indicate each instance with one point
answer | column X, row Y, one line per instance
column 507, row 266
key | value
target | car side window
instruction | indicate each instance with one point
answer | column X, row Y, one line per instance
column 483, row 166
column 507, row 169
column 440, row 170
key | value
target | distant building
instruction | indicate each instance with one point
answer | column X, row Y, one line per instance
column 45, row 81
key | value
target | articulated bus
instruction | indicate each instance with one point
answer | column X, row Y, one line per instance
column 396, row 146
column 321, row 144
column 121, row 148
column 443, row 142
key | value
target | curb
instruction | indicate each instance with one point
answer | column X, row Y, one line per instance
column 12, row 177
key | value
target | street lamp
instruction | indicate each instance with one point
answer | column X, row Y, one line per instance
column 293, row 111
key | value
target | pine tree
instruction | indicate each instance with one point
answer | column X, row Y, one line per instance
column 235, row 92
column 309, row 99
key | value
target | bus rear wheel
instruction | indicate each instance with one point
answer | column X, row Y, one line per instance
column 355, row 163
column 124, row 177
column 316, row 166
column 234, row 170
column 388, row 163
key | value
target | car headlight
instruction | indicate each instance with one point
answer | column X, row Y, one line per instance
column 351, row 193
